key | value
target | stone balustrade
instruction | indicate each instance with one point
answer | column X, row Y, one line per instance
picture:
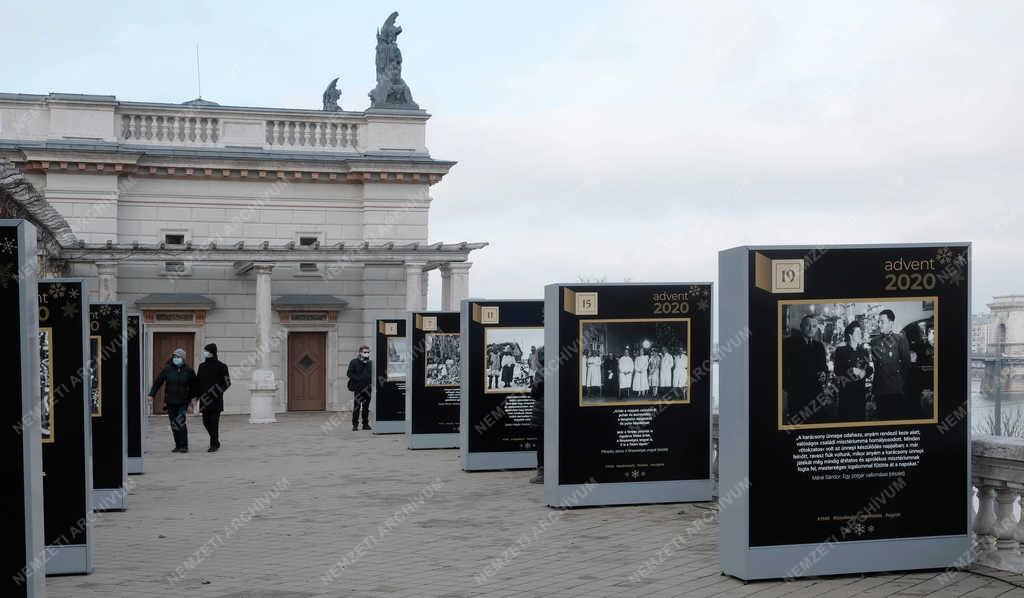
column 169, row 129
column 998, row 470
column 324, row 134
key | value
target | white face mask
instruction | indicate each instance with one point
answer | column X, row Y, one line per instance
column 206, row 354
column 178, row 361
column 364, row 355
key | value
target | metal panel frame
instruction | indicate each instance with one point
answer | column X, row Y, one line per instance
column 736, row 556
column 615, row 493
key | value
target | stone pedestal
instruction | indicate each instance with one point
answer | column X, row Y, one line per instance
column 262, row 392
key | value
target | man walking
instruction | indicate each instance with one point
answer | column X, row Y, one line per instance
column 360, row 379
column 181, row 387
column 214, row 379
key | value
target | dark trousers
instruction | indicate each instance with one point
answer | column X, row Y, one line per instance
column 361, row 400
column 179, row 424
column 211, row 421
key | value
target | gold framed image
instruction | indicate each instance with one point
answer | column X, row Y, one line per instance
column 442, row 359
column 860, row 362
column 46, row 384
column 510, row 358
column 634, row 361
column 397, row 359
column 96, row 376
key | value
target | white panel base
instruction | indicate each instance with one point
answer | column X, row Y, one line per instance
column 431, row 441
column 108, row 499
column 625, row 493
column 505, row 460
column 775, row 562
column 396, row 426
column 68, row 559
column 135, row 465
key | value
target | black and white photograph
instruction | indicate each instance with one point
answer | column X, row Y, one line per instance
column 634, row 361
column 95, row 373
column 511, row 358
column 398, row 360
column 443, row 363
column 46, row 384
column 857, row 361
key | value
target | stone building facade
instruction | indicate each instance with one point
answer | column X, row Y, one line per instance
column 279, row 234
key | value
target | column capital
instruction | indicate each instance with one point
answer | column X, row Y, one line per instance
column 415, row 266
column 459, row 266
column 262, row 268
column 107, row 267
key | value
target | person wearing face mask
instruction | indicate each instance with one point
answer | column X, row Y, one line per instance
column 214, row 379
column 359, row 382
column 181, row 388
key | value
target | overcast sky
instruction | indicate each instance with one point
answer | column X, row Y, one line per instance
column 625, row 140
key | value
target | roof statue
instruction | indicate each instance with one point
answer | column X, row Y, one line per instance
column 331, row 96
column 391, row 90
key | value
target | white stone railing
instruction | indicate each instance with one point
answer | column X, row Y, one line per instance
column 998, row 470
column 169, row 129
column 307, row 134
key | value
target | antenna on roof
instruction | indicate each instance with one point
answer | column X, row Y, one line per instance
column 199, row 80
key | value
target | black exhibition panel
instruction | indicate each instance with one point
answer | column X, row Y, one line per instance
column 134, row 394
column 25, row 418
column 108, row 351
column 391, row 370
column 67, row 457
column 432, row 399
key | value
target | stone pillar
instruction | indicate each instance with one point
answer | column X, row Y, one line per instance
column 413, row 283
column 106, row 272
column 455, row 278
column 424, row 288
column 446, row 288
column 263, row 389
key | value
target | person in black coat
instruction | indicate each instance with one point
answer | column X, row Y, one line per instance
column 853, row 367
column 181, row 388
column 360, row 379
column 214, row 379
column 804, row 371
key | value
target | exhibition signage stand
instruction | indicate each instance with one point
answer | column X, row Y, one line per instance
column 390, row 376
column 136, row 411
column 108, row 360
column 500, row 344
column 843, row 418
column 432, row 390
column 627, row 395
column 22, row 499
column 67, row 447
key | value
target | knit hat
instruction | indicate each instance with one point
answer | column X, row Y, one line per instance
column 212, row 348
column 179, row 353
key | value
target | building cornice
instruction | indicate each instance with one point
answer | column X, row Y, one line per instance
column 110, row 158
column 213, row 253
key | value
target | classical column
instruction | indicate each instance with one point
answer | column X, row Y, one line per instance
column 446, row 288
column 424, row 288
column 107, row 285
column 457, row 284
column 413, row 286
column 263, row 388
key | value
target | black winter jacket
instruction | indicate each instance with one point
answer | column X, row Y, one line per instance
column 359, row 374
column 214, row 379
column 181, row 384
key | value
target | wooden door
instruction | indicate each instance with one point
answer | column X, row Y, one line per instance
column 164, row 343
column 307, row 371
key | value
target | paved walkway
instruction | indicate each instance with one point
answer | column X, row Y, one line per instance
column 274, row 512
